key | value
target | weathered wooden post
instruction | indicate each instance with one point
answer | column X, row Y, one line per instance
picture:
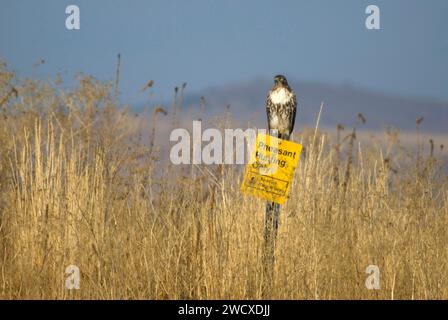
column 272, row 215
column 270, row 235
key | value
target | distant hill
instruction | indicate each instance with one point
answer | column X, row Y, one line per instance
column 342, row 105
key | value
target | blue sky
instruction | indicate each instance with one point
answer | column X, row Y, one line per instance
column 211, row 42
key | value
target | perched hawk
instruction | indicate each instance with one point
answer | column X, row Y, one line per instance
column 281, row 105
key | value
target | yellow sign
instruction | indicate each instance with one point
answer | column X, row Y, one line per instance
column 271, row 168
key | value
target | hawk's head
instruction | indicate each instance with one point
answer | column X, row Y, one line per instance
column 280, row 80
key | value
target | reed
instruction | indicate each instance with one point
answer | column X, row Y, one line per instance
column 79, row 187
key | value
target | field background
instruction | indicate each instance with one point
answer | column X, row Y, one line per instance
column 86, row 181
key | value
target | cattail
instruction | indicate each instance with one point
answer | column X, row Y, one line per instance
column 339, row 128
column 352, row 138
column 156, row 111
column 431, row 142
column 39, row 63
column 15, row 92
column 419, row 144
column 181, row 99
column 388, row 165
column 148, row 85
column 362, row 118
column 11, row 92
column 160, row 110
column 202, row 107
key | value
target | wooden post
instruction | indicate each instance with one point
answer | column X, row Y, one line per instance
column 272, row 216
column 270, row 234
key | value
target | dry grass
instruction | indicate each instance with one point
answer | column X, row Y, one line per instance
column 79, row 186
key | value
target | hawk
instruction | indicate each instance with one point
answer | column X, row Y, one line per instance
column 281, row 105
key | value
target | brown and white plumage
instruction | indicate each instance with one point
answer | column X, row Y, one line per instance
column 281, row 105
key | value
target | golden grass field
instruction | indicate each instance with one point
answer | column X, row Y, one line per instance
column 84, row 183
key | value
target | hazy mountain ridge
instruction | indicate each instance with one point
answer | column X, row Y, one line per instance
column 342, row 105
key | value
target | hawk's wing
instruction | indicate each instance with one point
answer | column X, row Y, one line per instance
column 293, row 118
column 269, row 108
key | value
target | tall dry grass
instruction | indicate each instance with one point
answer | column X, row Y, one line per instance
column 81, row 186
